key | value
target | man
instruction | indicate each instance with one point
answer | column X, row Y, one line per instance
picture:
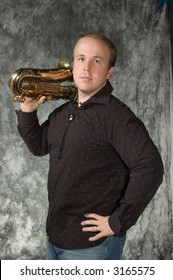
column 104, row 167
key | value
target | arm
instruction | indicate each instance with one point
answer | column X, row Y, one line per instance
column 140, row 155
column 33, row 134
column 143, row 160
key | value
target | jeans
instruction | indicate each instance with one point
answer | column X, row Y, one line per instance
column 110, row 249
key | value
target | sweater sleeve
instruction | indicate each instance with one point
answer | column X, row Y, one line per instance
column 141, row 156
column 33, row 134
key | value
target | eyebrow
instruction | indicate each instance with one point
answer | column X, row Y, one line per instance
column 96, row 56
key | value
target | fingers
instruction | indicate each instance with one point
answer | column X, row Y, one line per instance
column 94, row 228
column 92, row 219
column 29, row 100
column 30, row 105
column 96, row 237
column 42, row 99
column 98, row 224
column 90, row 222
column 92, row 216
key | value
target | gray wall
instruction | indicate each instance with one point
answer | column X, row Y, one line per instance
column 38, row 34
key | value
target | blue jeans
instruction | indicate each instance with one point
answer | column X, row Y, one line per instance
column 110, row 249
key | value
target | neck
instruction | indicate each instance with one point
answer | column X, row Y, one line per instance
column 83, row 96
column 80, row 101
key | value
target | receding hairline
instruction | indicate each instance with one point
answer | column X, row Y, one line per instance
column 102, row 38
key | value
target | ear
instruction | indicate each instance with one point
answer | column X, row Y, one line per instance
column 111, row 70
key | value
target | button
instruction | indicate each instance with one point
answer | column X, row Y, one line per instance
column 71, row 117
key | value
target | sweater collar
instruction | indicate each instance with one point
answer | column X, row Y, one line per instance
column 101, row 97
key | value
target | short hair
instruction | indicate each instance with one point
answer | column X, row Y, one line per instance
column 106, row 41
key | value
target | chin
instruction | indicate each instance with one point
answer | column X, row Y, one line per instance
column 85, row 90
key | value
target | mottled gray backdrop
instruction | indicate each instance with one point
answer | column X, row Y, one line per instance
column 38, row 33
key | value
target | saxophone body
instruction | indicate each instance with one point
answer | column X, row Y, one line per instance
column 54, row 83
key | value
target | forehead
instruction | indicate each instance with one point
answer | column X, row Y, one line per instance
column 91, row 45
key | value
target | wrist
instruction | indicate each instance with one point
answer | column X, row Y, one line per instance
column 26, row 110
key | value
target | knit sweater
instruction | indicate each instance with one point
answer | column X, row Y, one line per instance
column 102, row 160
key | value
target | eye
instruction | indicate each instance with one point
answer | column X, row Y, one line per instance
column 97, row 61
column 81, row 58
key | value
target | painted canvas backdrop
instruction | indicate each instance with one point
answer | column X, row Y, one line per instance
column 38, row 34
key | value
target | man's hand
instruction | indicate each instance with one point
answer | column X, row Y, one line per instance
column 97, row 223
column 30, row 105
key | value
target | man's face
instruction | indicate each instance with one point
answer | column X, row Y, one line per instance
column 90, row 65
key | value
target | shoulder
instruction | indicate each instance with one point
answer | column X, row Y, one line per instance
column 59, row 110
column 118, row 108
column 119, row 114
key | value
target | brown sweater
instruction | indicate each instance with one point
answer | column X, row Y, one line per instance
column 102, row 160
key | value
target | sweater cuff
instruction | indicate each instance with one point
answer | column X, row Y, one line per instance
column 25, row 118
column 115, row 224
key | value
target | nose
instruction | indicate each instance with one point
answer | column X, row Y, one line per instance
column 87, row 65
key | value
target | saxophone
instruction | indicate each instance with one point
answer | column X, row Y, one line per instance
column 54, row 83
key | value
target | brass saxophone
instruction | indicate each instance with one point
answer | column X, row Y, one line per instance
column 54, row 83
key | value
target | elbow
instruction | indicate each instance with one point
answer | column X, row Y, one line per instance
column 159, row 167
column 37, row 151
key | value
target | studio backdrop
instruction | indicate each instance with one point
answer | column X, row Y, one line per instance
column 39, row 33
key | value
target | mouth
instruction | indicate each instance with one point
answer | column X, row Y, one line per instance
column 85, row 78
